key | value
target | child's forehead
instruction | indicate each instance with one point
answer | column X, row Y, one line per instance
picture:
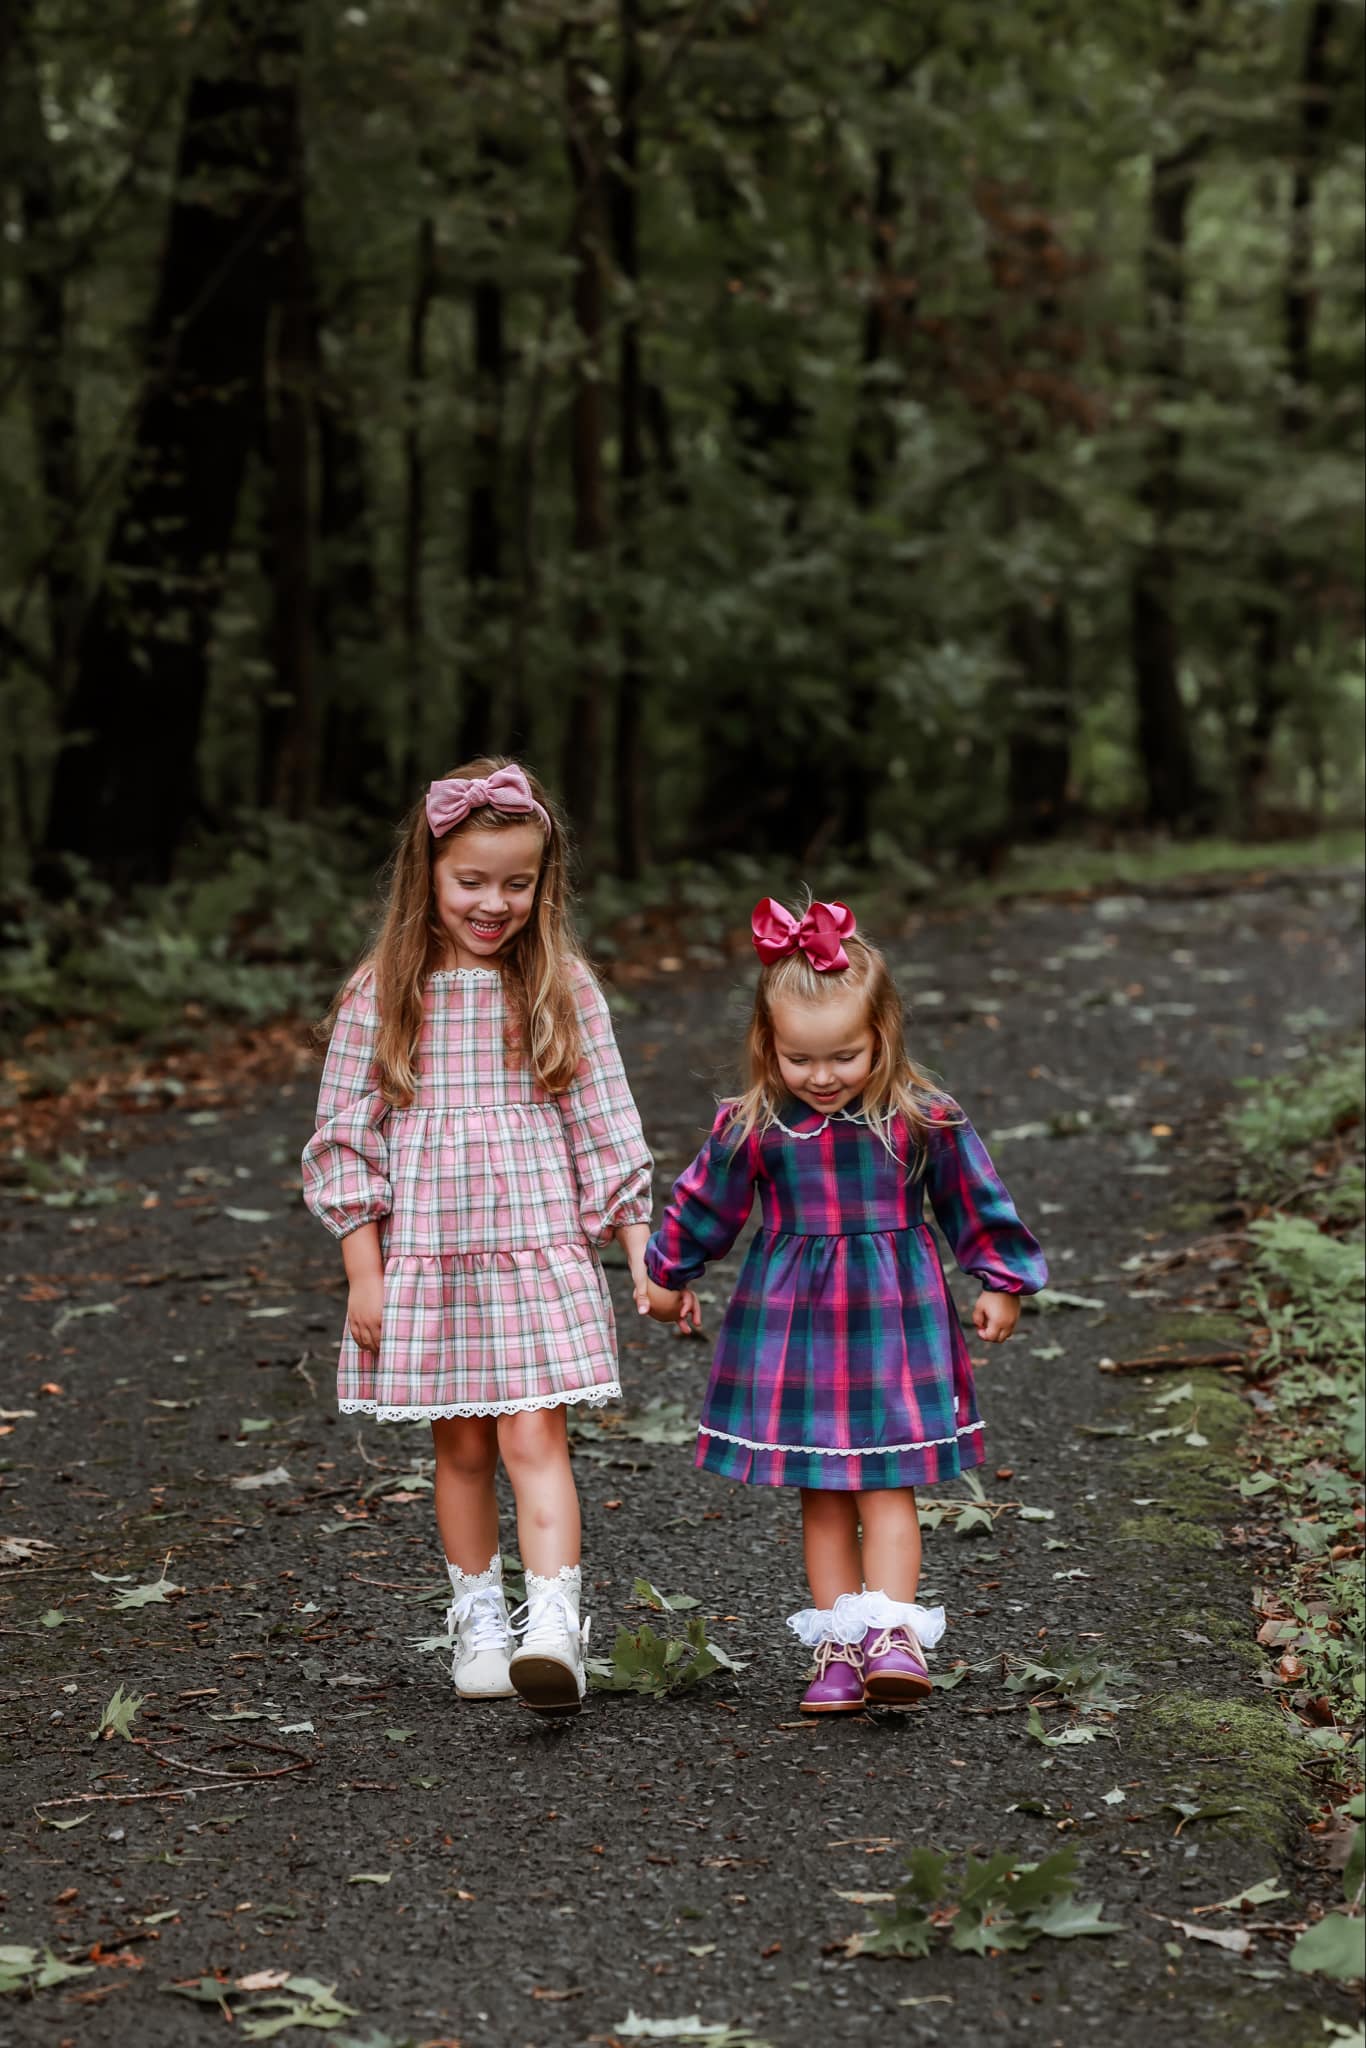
column 494, row 849
column 816, row 1027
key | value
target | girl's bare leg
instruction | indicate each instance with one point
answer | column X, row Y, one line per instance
column 535, row 1448
column 891, row 1542
column 466, row 1505
column 830, row 1544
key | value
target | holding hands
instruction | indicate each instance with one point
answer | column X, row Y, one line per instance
column 680, row 1306
column 662, row 1303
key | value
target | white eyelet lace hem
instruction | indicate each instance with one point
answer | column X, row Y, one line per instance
column 750, row 1443
column 576, row 1397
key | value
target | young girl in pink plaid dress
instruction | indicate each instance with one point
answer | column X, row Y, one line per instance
column 476, row 1142
column 841, row 1368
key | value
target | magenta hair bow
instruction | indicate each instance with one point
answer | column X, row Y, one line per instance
column 777, row 933
column 507, row 789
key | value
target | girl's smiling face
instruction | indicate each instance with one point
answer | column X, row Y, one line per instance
column 825, row 1051
column 484, row 890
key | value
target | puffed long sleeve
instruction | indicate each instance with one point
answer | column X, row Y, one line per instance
column 707, row 1209
column 976, row 1214
column 612, row 1163
column 346, row 1161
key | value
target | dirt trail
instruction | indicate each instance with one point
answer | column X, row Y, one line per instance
column 687, row 1856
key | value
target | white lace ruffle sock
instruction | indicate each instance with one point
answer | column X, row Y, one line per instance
column 464, row 1584
column 853, row 1614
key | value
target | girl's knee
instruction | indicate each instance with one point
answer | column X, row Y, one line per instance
column 467, row 1444
column 535, row 1437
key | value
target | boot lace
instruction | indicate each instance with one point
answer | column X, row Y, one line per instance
column 483, row 1609
column 546, row 1620
column 830, row 1652
column 899, row 1638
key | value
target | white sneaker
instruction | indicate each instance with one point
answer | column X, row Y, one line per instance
column 547, row 1665
column 478, row 1619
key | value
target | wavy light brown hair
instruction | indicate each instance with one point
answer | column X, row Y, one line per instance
column 542, row 1016
column 895, row 1087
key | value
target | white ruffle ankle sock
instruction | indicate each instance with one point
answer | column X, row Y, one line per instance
column 853, row 1614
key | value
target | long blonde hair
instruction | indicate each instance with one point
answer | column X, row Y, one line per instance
column 895, row 1087
column 542, row 1018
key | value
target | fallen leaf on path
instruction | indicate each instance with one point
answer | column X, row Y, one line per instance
column 1255, row 1895
column 248, row 1482
column 370, row 1877
column 117, row 1718
column 1235, row 1939
column 22, row 1549
column 157, row 1592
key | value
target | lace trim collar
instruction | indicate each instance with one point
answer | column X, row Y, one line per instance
column 809, row 1123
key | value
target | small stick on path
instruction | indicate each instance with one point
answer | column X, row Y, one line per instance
column 1193, row 1362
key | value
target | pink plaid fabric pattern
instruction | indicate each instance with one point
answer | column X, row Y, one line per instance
column 490, row 1195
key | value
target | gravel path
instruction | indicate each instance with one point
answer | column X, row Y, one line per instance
column 694, row 1855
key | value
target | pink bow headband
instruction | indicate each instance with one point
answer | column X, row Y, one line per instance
column 818, row 934
column 507, row 789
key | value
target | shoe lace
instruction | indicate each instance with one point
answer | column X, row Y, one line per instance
column 897, row 1638
column 830, row 1652
column 483, row 1607
column 545, row 1617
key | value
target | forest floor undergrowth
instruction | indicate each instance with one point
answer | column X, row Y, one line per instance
column 298, row 1823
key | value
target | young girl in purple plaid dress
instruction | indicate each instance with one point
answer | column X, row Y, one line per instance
column 841, row 1367
column 475, row 1142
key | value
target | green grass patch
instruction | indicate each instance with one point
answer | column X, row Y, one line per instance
column 1233, row 1754
column 1061, row 868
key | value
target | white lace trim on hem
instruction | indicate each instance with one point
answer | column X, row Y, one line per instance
column 446, row 1411
column 824, row 1450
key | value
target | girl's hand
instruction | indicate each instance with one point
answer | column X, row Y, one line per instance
column 365, row 1310
column 677, row 1306
column 689, row 1314
column 640, row 1287
column 995, row 1316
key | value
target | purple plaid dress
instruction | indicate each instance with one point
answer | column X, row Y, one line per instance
column 841, row 1363
column 490, row 1195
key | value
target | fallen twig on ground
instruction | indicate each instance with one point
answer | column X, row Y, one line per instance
column 1227, row 1361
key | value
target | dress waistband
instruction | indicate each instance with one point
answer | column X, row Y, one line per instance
column 883, row 1230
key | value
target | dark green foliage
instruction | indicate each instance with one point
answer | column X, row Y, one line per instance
column 998, row 1903
column 820, row 484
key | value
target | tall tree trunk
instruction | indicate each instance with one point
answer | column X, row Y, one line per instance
column 485, row 594
column 1175, row 796
column 52, row 394
column 1039, row 755
column 582, row 745
column 347, row 623
column 872, row 451
column 126, row 781
column 629, row 764
column 415, row 500
column 1268, row 614
column 294, row 376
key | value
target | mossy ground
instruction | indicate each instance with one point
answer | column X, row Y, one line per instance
column 1230, row 1751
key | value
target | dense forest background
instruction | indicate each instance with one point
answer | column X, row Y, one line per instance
column 875, row 428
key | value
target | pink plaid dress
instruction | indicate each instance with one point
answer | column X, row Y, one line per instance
column 490, row 1195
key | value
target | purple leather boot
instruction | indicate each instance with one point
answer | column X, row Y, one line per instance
column 837, row 1687
column 894, row 1673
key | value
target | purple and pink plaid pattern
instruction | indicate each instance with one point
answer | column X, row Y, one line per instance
column 490, row 1194
column 840, row 1362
